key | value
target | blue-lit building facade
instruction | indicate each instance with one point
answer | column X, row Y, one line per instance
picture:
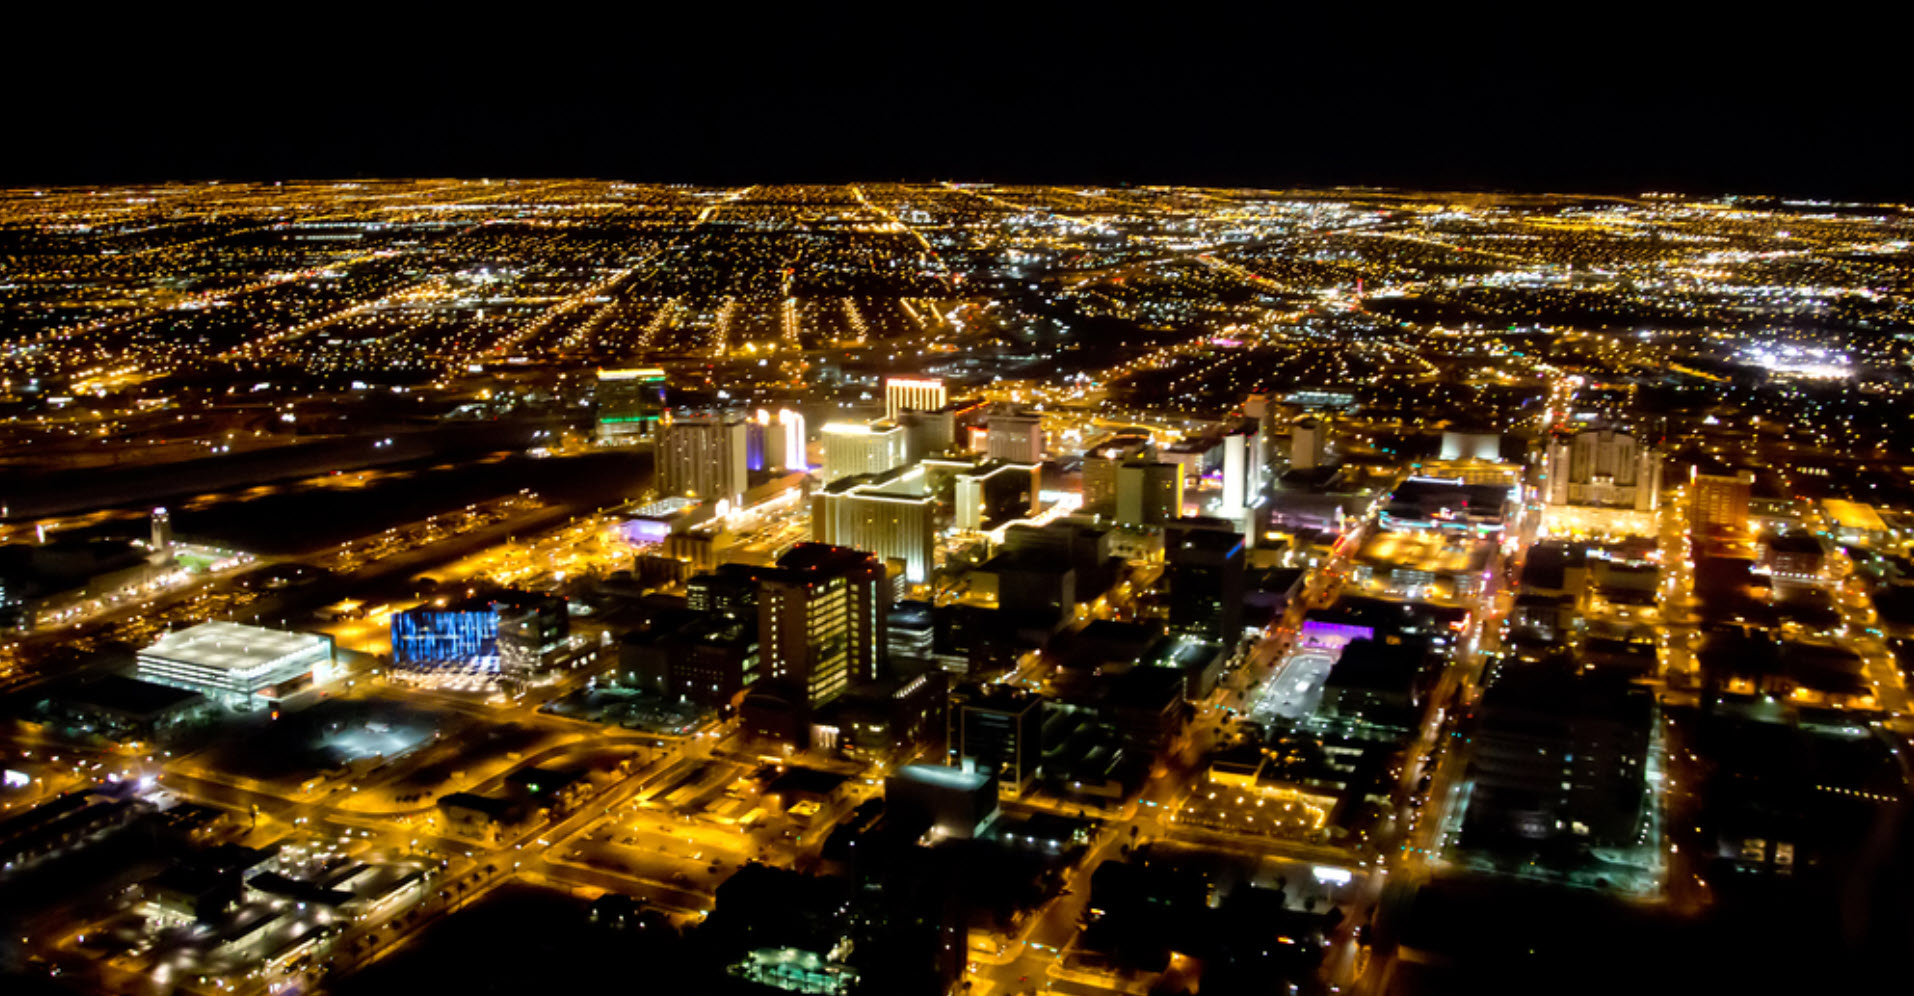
column 466, row 632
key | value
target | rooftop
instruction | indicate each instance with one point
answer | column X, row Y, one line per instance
column 231, row 646
column 943, row 777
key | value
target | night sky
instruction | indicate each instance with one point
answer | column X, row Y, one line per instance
column 1603, row 101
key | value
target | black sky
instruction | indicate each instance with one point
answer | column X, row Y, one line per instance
column 1585, row 98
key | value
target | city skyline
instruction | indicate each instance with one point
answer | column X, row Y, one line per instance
column 895, row 588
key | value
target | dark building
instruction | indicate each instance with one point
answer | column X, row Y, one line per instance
column 1206, row 571
column 532, row 629
column 997, row 728
column 1559, row 755
column 1376, row 683
column 911, row 635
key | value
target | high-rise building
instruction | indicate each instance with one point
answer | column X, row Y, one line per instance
column 629, row 403
column 852, row 448
column 1721, row 500
column 921, row 393
column 704, row 455
column 1100, row 461
column 1014, row 436
column 1242, row 469
column 1308, row 444
column 777, row 444
column 1262, row 409
column 821, row 620
column 892, row 515
column 1148, row 493
column 1206, row 580
column 1603, row 468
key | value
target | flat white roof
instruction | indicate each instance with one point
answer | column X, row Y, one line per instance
column 230, row 646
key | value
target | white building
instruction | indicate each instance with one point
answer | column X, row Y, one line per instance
column 892, row 515
column 704, row 456
column 231, row 662
column 1605, row 469
column 921, row 393
column 783, row 439
column 1308, row 444
column 852, row 448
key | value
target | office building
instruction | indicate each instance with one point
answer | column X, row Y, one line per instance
column 911, row 635
column 704, row 455
column 532, row 632
column 920, row 393
column 1014, row 436
column 629, row 404
column 852, row 448
column 1720, row 500
column 1206, row 581
column 1148, row 493
column 892, row 515
column 1308, row 444
column 729, row 590
column 821, row 620
column 998, row 729
column 1605, row 469
column 233, row 663
column 709, row 660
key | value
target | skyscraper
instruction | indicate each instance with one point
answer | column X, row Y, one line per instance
column 1242, row 469
column 704, row 456
column 1100, row 462
column 821, row 618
